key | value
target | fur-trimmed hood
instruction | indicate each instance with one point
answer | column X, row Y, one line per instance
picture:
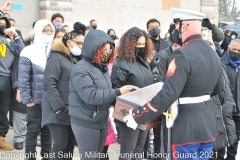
column 57, row 45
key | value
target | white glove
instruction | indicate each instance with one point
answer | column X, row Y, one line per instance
column 131, row 123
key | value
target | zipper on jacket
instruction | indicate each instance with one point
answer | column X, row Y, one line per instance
column 223, row 122
column 46, row 53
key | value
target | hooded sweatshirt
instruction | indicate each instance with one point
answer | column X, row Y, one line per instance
column 14, row 47
column 90, row 86
column 32, row 65
column 232, row 33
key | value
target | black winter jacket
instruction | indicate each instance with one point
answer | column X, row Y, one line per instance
column 234, row 81
column 159, row 44
column 226, row 130
column 56, row 85
column 225, row 43
column 159, row 64
column 90, row 87
column 18, row 107
column 137, row 73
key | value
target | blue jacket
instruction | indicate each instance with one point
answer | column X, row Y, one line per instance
column 32, row 64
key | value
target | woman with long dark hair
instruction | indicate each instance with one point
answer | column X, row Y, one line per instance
column 132, row 68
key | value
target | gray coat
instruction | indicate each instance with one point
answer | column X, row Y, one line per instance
column 13, row 51
column 90, row 86
column 56, row 85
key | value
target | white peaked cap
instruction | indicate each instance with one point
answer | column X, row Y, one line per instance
column 184, row 14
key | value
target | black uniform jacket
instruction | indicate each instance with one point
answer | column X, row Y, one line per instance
column 194, row 70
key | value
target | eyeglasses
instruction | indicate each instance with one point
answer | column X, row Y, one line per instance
column 109, row 51
column 48, row 30
column 235, row 50
column 77, row 42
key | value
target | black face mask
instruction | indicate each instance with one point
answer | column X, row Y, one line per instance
column 140, row 51
column 175, row 37
column 94, row 27
column 2, row 28
column 113, row 36
column 154, row 32
column 234, row 56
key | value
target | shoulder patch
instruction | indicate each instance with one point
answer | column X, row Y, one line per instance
column 172, row 68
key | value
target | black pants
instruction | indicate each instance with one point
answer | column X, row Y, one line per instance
column 232, row 150
column 63, row 141
column 132, row 141
column 5, row 102
column 218, row 155
column 11, row 114
column 157, row 139
column 89, row 140
column 147, row 143
column 105, row 151
column 34, row 119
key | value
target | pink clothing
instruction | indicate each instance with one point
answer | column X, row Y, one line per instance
column 110, row 68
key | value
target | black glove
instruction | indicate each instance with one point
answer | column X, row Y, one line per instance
column 206, row 23
column 171, row 28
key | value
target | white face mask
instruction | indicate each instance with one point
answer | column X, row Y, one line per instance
column 75, row 50
column 47, row 39
column 13, row 29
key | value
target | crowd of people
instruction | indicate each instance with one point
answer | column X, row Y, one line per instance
column 58, row 84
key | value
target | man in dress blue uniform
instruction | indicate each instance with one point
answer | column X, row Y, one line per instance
column 193, row 76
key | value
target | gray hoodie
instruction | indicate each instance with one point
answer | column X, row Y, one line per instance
column 14, row 48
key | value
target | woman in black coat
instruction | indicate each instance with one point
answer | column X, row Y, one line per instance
column 64, row 54
column 226, row 130
column 91, row 94
column 132, row 68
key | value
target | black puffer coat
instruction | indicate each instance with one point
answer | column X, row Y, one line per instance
column 90, row 87
column 226, row 130
column 56, row 85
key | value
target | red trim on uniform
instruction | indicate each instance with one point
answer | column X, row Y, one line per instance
column 140, row 114
column 194, row 142
column 148, row 106
column 173, row 151
column 151, row 107
column 187, row 43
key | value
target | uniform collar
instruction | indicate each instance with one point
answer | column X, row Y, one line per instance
column 193, row 37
